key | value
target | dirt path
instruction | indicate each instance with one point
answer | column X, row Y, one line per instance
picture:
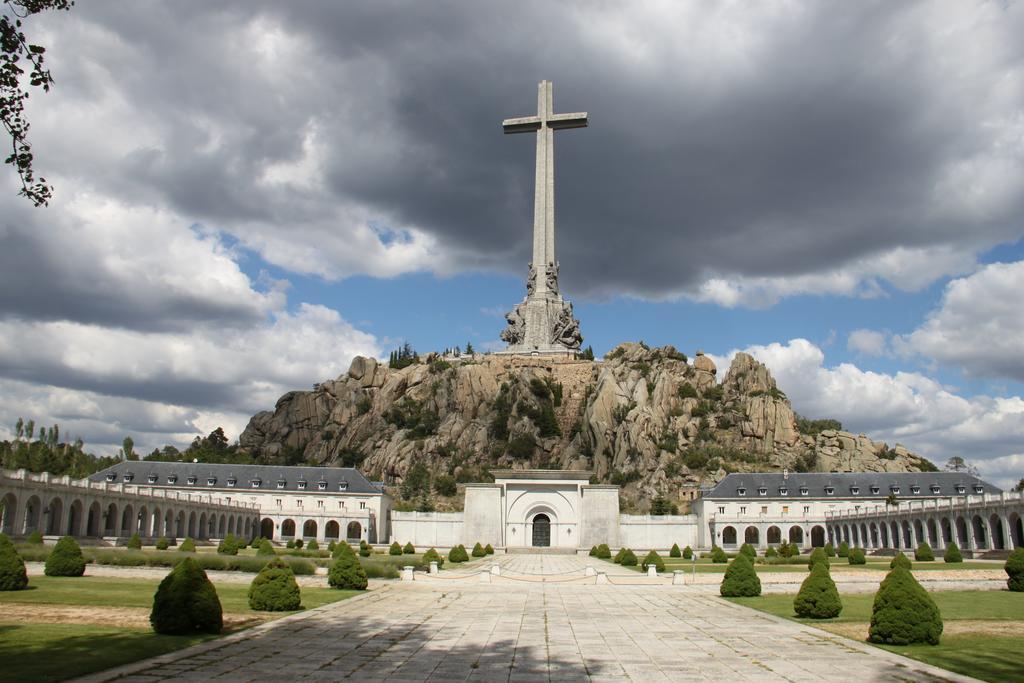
column 120, row 617
column 858, row 630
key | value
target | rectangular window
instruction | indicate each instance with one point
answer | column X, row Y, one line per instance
column 743, row 509
column 721, row 509
column 320, row 504
column 785, row 509
column 362, row 505
column 299, row 502
column 278, row 502
column 807, row 509
column 764, row 509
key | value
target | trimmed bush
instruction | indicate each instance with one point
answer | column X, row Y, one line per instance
column 740, row 579
column 13, row 576
column 687, row 553
column 952, row 554
column 718, row 555
column 618, row 556
column 857, row 556
column 653, row 559
column 844, row 549
column 36, row 537
column 924, row 553
column 787, row 549
column 1014, row 569
column 604, row 552
column 488, row 550
column 290, row 544
column 675, row 552
column 478, row 550
column 274, row 589
column 903, row 612
column 818, row 597
column 186, row 602
column 409, row 549
column 65, row 559
column 748, row 550
column 134, row 543
column 395, row 549
column 593, row 551
column 347, row 573
column 331, row 546
column 771, row 552
column 830, row 550
column 187, row 546
column 628, row 558
column 817, row 557
column 364, row 549
column 265, row 548
column 313, row 545
column 162, row 543
column 458, row 554
column 900, row 560
column 433, row 556
column 299, row 543
column 343, row 547
column 228, row 546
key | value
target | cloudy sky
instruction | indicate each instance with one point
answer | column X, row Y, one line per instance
column 250, row 193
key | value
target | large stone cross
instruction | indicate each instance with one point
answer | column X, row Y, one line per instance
column 544, row 270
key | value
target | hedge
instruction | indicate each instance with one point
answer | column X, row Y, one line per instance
column 818, row 556
column 1014, row 569
column 740, row 579
column 409, row 549
column 186, row 602
column 13, row 576
column 135, row 543
column 903, row 613
column 818, row 597
column 346, row 572
column 900, row 560
column 65, row 559
column 675, row 552
column 857, row 556
column 478, row 550
column 653, row 559
column 187, row 546
column 274, row 589
column 924, row 553
column 952, row 554
column 395, row 549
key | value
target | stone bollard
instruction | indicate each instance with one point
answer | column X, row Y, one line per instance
column 590, row 571
column 485, row 577
column 652, row 571
column 433, row 567
column 678, row 577
column 496, row 569
column 602, row 577
column 407, row 573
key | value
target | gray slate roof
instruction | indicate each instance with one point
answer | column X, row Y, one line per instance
column 910, row 484
column 244, row 476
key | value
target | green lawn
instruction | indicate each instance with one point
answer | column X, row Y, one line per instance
column 989, row 657
column 839, row 564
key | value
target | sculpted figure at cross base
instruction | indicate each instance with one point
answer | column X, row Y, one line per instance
column 516, row 330
column 567, row 329
column 552, row 278
column 531, row 281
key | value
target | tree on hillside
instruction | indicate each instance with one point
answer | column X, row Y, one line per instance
column 958, row 464
column 17, row 55
column 469, row 349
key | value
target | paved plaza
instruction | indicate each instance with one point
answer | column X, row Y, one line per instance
column 528, row 629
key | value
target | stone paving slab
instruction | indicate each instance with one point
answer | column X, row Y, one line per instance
column 531, row 631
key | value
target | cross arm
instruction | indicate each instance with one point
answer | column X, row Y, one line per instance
column 577, row 120
column 525, row 124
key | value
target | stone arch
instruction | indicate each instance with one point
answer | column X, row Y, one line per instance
column 919, row 531
column 796, row 535
column 211, row 526
column 354, row 531
column 203, row 525
column 288, row 528
column 143, row 516
column 996, row 532
column 169, row 529
column 946, row 527
column 332, row 530
column 10, row 512
column 182, row 525
column 774, row 535
column 908, row 535
column 729, row 536
column 980, row 535
column 247, row 526
column 540, row 530
column 874, row 535
column 751, row 535
column 127, row 520
column 156, row 518
column 92, row 520
column 817, row 536
column 193, row 525
column 309, row 528
column 961, row 533
column 933, row 533
column 33, row 512
column 55, row 517
column 267, row 528
column 75, row 515
column 883, row 532
column 1017, row 530
column 894, row 531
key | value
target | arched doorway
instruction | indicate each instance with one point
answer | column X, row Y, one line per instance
column 796, row 535
column 288, row 528
column 75, row 518
column 309, row 529
column 267, row 528
column 1017, row 529
column 996, row 532
column 541, row 531
column 10, row 511
column 55, row 517
column 332, row 530
column 818, row 536
column 729, row 536
column 33, row 509
column 751, row 535
column 980, row 537
column 92, row 525
column 354, row 531
column 774, row 535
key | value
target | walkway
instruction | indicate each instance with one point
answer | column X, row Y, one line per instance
column 531, row 631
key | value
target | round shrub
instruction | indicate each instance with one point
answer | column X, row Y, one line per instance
column 900, row 560
column 265, row 548
column 187, row 546
column 675, row 552
column 748, row 550
column 65, row 559
column 331, row 546
column 488, row 550
column 458, row 554
column 844, row 549
column 162, row 543
column 653, row 559
column 857, row 556
column 346, row 572
column 395, row 549
column 274, row 589
column 903, row 612
column 36, row 537
column 628, row 558
column 364, row 549
column 228, row 546
column 1014, row 569
column 952, row 554
column 604, row 552
column 298, row 543
column 593, row 551
column 478, row 550
column 186, row 602
column 313, row 545
column 718, row 555
column 13, row 576
column 409, row 549
column 924, row 553
column 687, row 553
column 134, row 543
column 771, row 552
column 818, row 597
column 817, row 557
column 290, row 544
column 830, row 550
column 433, row 556
column 740, row 579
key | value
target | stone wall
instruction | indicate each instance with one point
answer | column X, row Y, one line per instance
column 658, row 532
column 427, row 529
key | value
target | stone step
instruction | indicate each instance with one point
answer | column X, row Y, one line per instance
column 540, row 551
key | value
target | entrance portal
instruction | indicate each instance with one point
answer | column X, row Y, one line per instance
column 541, row 531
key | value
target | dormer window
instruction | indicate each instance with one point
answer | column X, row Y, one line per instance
column 961, row 489
column 322, row 485
column 762, row 491
column 915, row 489
column 855, row 490
column 172, row 479
column 191, row 480
column 302, row 485
column 128, row 476
column 255, row 483
column 936, row 488
column 741, row 491
column 783, row 491
column 978, row 488
column 210, row 481
column 232, row 481
column 281, row 483
column 894, row 488
column 875, row 490
column 804, row 491
column 343, row 486
column 829, row 490
column 111, row 477
column 151, row 479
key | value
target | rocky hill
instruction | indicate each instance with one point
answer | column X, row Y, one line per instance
column 646, row 419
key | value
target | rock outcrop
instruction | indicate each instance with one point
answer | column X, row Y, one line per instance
column 646, row 419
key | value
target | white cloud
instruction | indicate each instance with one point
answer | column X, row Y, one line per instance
column 868, row 342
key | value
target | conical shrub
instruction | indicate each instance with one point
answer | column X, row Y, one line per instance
column 458, row 554
column 347, row 573
column 313, row 545
column 162, row 543
column 924, row 553
column 187, row 546
column 134, row 543
column 1014, row 569
column 488, row 550
column 13, row 576
column 364, row 549
column 618, row 556
column 65, row 559
column 818, row 597
column 817, row 557
column 903, row 612
column 740, row 579
column 952, row 554
column 343, row 548
column 331, row 546
column 433, row 556
column 748, row 550
column 265, row 548
column 653, row 559
column 274, row 589
column 604, row 552
column 857, row 556
column 675, row 552
column 228, row 545
column 409, row 549
column 900, row 560
column 771, row 552
column 628, row 558
column 35, row 538
column 186, row 602
column 593, row 551
column 687, row 553
column 843, row 550
column 478, row 550
column 718, row 555
column 830, row 550
column 395, row 549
